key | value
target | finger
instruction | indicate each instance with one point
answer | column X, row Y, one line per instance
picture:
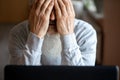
column 67, row 5
column 34, row 5
column 32, row 9
column 35, row 1
column 62, row 7
column 71, row 6
column 49, row 8
column 38, row 5
column 45, row 5
column 57, row 9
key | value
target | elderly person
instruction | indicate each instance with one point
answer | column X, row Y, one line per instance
column 52, row 36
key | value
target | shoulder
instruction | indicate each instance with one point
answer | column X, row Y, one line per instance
column 19, row 33
column 85, row 33
column 20, row 28
column 81, row 25
column 84, row 29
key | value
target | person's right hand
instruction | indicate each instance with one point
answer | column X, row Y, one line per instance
column 39, row 16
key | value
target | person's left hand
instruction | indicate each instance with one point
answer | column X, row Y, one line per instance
column 65, row 16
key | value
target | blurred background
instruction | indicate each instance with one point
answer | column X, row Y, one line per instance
column 104, row 15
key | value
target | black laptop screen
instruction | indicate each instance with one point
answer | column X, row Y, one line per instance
column 13, row 72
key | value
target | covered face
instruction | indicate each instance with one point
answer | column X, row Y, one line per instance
column 52, row 16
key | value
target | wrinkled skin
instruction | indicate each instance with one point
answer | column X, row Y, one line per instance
column 60, row 12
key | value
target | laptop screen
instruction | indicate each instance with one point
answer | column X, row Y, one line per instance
column 13, row 72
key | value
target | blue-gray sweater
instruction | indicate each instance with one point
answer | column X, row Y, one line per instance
column 77, row 49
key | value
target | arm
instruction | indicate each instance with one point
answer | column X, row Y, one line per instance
column 25, row 54
column 71, row 52
column 80, row 51
column 39, row 23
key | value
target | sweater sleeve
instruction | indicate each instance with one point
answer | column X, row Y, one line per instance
column 73, row 53
column 30, row 54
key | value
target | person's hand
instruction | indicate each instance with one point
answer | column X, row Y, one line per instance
column 39, row 16
column 65, row 16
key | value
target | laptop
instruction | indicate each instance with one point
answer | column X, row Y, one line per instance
column 13, row 72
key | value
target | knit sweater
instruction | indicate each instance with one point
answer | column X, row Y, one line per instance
column 77, row 49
